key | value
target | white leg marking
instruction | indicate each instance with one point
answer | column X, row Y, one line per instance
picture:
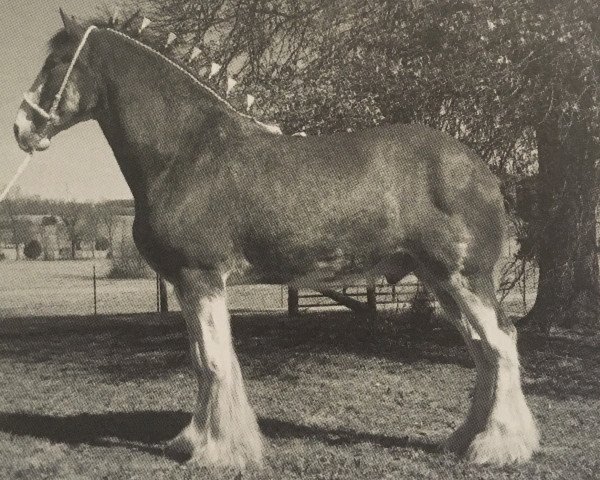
column 223, row 430
column 507, row 430
column 481, row 405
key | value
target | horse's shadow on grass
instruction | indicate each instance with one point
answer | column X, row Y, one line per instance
column 148, row 431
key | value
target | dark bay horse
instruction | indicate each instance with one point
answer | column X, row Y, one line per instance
column 218, row 192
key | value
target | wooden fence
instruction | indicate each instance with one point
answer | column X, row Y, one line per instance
column 356, row 297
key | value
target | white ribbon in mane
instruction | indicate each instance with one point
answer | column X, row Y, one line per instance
column 231, row 83
column 249, row 102
column 195, row 52
column 214, row 69
column 170, row 39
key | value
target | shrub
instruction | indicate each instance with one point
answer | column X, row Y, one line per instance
column 422, row 308
column 127, row 262
column 102, row 244
column 2, row 256
column 49, row 221
column 33, row 249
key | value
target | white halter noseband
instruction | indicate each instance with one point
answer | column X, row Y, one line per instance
column 51, row 116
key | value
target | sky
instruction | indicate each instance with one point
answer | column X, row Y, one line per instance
column 79, row 164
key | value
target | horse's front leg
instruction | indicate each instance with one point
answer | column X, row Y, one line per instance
column 223, row 430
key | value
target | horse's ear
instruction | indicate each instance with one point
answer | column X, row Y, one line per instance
column 72, row 26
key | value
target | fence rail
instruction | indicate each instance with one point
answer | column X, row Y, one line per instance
column 360, row 297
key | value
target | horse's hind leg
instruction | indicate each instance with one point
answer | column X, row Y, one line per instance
column 462, row 437
column 223, row 430
column 499, row 428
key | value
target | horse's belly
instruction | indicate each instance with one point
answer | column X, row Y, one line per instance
column 335, row 270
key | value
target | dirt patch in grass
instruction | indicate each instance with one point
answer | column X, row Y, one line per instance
column 95, row 397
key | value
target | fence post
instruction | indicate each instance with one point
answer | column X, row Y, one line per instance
column 95, row 295
column 292, row 301
column 163, row 295
column 157, row 294
column 371, row 298
column 524, row 274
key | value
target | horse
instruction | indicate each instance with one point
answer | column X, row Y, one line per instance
column 218, row 192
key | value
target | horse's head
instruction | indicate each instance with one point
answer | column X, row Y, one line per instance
column 36, row 124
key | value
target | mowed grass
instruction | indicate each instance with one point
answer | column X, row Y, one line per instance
column 96, row 397
column 38, row 288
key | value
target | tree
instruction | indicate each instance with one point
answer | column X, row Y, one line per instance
column 73, row 216
column 22, row 229
column 32, row 249
column 127, row 262
column 90, row 226
column 107, row 218
column 102, row 243
column 528, row 82
column 515, row 79
column 23, row 232
column 49, row 237
column 549, row 53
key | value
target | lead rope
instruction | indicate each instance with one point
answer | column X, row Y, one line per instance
column 21, row 169
column 49, row 116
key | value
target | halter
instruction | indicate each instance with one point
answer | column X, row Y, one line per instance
column 50, row 116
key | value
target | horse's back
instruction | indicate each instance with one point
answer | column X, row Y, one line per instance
column 422, row 167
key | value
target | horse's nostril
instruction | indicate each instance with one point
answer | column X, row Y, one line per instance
column 16, row 130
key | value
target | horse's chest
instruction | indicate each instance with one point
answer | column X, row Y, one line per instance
column 185, row 229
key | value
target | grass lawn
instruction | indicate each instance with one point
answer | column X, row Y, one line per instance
column 32, row 288
column 94, row 397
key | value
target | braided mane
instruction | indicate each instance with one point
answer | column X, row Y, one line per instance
column 62, row 43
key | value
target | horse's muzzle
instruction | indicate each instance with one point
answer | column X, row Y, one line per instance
column 33, row 143
column 26, row 135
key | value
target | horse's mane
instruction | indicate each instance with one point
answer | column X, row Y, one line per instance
column 61, row 41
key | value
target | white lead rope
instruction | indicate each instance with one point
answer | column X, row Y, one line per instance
column 20, row 170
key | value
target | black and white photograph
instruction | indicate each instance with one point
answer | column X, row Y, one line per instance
column 300, row 239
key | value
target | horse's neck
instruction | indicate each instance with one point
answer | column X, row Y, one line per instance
column 154, row 114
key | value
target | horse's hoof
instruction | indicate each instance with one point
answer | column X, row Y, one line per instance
column 190, row 446
column 458, row 442
column 499, row 446
column 183, row 447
